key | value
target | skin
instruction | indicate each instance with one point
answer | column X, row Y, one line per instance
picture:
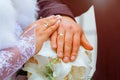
column 68, row 45
column 42, row 32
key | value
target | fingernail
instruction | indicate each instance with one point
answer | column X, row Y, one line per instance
column 73, row 58
column 66, row 59
column 60, row 54
column 51, row 16
column 58, row 16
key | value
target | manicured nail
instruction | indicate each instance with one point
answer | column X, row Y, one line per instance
column 51, row 16
column 66, row 59
column 60, row 54
column 58, row 16
column 73, row 58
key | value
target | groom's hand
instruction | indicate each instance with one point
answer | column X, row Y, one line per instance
column 68, row 38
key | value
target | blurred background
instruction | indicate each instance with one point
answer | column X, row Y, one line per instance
column 87, row 21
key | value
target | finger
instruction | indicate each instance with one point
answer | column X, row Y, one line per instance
column 68, row 46
column 51, row 29
column 60, row 42
column 76, row 45
column 54, row 40
column 85, row 43
column 47, row 22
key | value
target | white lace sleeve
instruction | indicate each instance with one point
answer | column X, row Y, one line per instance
column 13, row 58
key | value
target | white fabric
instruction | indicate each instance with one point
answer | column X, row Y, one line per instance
column 12, row 59
column 88, row 23
column 15, row 15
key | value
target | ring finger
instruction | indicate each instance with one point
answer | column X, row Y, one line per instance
column 60, row 42
column 68, row 46
column 47, row 22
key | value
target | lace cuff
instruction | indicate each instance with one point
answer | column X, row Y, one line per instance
column 13, row 58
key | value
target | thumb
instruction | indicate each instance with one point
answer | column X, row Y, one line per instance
column 85, row 43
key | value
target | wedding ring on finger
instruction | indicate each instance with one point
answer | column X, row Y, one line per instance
column 46, row 25
column 60, row 34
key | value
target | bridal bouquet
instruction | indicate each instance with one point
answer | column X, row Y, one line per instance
column 47, row 66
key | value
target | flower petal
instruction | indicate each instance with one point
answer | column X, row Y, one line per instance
column 61, row 70
column 47, row 50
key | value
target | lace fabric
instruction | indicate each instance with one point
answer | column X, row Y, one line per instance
column 12, row 59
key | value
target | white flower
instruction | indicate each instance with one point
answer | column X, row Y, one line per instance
column 77, row 70
column 37, row 70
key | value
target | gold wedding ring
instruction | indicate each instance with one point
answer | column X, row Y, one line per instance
column 61, row 34
column 46, row 25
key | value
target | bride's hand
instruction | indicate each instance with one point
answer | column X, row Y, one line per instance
column 44, row 28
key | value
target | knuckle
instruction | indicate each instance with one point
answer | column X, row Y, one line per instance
column 59, row 44
column 52, row 29
column 75, row 50
column 60, row 37
column 76, row 47
column 76, row 44
column 69, row 27
column 68, row 42
column 77, row 30
column 68, row 48
column 53, row 41
column 59, row 49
